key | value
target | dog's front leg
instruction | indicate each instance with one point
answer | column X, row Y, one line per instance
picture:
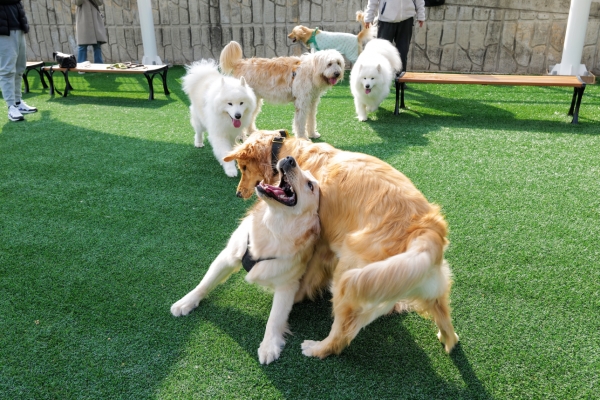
column 311, row 120
column 277, row 327
column 226, row 263
column 299, row 127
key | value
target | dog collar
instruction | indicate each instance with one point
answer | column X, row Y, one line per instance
column 248, row 262
column 313, row 39
column 275, row 147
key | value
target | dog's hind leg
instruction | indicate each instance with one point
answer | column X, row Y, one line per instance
column 198, row 129
column 277, row 326
column 226, row 263
column 252, row 127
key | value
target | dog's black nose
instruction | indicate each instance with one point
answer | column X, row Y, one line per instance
column 336, row 74
column 238, row 116
column 290, row 161
column 367, row 86
column 239, row 194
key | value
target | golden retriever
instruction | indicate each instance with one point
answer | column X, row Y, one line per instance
column 346, row 43
column 382, row 243
column 301, row 80
column 273, row 243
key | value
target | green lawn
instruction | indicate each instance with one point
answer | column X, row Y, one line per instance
column 108, row 215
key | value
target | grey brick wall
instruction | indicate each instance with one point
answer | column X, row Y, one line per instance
column 502, row 36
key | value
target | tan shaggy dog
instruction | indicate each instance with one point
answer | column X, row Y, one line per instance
column 381, row 246
column 346, row 43
column 301, row 80
column 273, row 243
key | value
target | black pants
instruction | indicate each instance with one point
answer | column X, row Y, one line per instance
column 399, row 33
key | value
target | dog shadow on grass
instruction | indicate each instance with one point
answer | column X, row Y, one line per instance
column 384, row 361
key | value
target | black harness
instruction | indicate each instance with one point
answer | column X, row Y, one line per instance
column 275, row 147
column 248, row 262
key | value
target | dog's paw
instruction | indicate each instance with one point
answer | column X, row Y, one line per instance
column 448, row 344
column 269, row 351
column 230, row 171
column 314, row 135
column 184, row 306
column 199, row 144
column 309, row 348
column 362, row 119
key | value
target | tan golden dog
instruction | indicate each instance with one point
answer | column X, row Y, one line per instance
column 301, row 80
column 273, row 243
column 346, row 43
column 382, row 243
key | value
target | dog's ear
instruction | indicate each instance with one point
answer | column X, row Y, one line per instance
column 360, row 67
column 242, row 81
column 222, row 81
column 378, row 67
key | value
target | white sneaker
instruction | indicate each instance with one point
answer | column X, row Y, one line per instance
column 25, row 109
column 14, row 114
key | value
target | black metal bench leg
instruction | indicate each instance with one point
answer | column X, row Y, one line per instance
column 25, row 80
column 573, row 102
column 44, row 85
column 579, row 92
column 67, row 83
column 396, row 110
column 164, row 80
column 150, row 88
column 50, row 76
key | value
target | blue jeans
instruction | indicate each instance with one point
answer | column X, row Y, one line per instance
column 82, row 53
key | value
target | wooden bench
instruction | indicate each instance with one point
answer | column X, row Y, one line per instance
column 149, row 71
column 575, row 82
column 34, row 66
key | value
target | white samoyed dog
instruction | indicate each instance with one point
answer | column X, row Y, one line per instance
column 221, row 106
column 372, row 75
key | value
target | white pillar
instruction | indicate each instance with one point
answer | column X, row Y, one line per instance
column 579, row 13
column 148, row 38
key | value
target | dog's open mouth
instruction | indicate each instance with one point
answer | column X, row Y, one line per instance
column 332, row 81
column 236, row 122
column 367, row 91
column 293, row 40
column 284, row 193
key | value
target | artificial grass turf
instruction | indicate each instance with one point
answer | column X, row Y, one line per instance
column 109, row 215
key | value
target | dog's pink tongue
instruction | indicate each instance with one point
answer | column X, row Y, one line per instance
column 332, row 81
column 237, row 123
column 367, row 91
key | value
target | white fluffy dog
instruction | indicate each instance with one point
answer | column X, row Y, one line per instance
column 222, row 106
column 372, row 75
column 301, row 80
column 273, row 243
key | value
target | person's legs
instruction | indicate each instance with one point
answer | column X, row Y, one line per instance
column 386, row 30
column 82, row 53
column 8, row 62
column 21, row 64
column 98, row 53
column 402, row 39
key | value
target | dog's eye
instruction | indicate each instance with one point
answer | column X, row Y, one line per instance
column 230, row 104
column 241, row 102
column 310, row 186
column 243, row 167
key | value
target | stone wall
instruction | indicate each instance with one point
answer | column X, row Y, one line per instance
column 502, row 36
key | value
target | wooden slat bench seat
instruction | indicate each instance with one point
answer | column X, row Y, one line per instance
column 35, row 66
column 149, row 71
column 575, row 82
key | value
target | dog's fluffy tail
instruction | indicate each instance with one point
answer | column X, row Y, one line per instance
column 365, row 33
column 392, row 278
column 197, row 70
column 230, row 55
